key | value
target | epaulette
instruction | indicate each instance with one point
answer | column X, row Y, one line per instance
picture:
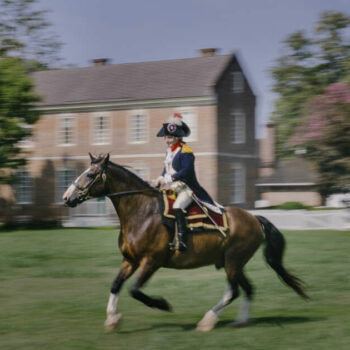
column 186, row 149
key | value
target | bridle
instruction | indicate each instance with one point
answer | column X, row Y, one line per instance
column 84, row 195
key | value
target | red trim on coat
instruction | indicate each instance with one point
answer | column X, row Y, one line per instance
column 177, row 144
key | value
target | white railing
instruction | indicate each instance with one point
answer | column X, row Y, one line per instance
column 307, row 219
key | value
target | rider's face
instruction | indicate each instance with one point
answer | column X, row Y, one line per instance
column 170, row 140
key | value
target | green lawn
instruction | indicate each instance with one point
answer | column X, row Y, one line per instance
column 54, row 286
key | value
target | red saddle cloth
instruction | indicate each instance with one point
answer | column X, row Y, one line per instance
column 196, row 219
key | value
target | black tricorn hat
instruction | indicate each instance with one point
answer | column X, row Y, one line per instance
column 174, row 127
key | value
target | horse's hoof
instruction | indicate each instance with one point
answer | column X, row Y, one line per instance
column 162, row 304
column 204, row 328
column 112, row 322
column 208, row 322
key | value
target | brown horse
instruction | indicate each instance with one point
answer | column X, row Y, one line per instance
column 144, row 240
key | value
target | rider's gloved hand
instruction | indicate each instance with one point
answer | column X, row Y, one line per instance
column 168, row 179
column 158, row 182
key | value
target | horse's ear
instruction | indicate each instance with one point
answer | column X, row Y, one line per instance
column 106, row 160
column 92, row 157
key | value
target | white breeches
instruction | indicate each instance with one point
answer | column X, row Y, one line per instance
column 183, row 199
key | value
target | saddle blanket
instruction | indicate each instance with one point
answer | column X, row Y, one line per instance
column 196, row 219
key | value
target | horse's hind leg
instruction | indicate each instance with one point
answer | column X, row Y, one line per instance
column 113, row 317
column 244, row 310
column 146, row 271
column 210, row 319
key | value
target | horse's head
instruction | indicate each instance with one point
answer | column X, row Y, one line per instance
column 89, row 184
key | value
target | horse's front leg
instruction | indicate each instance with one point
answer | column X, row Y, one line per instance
column 113, row 317
column 147, row 268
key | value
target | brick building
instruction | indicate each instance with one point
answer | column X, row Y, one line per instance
column 119, row 109
column 286, row 180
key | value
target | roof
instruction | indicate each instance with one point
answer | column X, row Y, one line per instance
column 296, row 171
column 131, row 81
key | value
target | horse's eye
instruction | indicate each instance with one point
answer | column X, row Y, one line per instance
column 90, row 175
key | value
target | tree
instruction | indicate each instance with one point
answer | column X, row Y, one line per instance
column 25, row 33
column 16, row 111
column 309, row 65
column 26, row 44
column 325, row 133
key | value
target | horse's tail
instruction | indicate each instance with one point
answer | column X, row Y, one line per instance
column 273, row 252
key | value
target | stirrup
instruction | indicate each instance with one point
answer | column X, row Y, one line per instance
column 178, row 245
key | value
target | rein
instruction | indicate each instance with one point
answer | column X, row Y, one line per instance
column 126, row 193
column 84, row 191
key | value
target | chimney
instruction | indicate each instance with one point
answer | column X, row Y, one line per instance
column 208, row 52
column 100, row 62
column 267, row 151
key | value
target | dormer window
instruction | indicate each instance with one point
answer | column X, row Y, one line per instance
column 238, row 127
column 237, row 82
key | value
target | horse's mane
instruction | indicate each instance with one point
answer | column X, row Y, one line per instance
column 129, row 176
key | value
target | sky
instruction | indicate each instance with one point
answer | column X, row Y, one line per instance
column 152, row 30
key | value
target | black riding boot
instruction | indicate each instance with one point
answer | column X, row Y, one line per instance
column 181, row 230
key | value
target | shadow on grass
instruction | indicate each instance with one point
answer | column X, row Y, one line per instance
column 280, row 321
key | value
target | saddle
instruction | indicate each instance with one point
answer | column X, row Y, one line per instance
column 197, row 220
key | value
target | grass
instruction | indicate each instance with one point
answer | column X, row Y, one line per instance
column 55, row 285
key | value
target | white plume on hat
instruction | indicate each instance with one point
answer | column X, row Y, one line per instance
column 176, row 119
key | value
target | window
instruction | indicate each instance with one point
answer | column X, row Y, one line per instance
column 237, row 82
column 92, row 207
column 138, row 128
column 190, row 118
column 66, row 131
column 97, row 206
column 141, row 172
column 101, row 130
column 63, row 180
column 27, row 141
column 238, row 128
column 237, row 183
column 24, row 188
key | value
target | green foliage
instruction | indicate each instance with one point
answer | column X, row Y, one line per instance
column 26, row 45
column 25, row 33
column 16, row 111
column 325, row 133
column 308, row 66
column 291, row 206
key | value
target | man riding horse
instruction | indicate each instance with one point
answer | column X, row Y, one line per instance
column 179, row 174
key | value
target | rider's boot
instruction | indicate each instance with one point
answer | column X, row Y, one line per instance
column 181, row 230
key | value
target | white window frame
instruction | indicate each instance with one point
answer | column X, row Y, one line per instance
column 60, row 131
column 27, row 142
column 238, row 186
column 190, row 117
column 94, row 207
column 27, row 186
column 96, row 138
column 130, row 132
column 238, row 128
column 237, row 82
column 139, row 168
column 58, row 189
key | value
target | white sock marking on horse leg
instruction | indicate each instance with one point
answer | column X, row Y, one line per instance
column 211, row 318
column 224, row 302
column 244, row 311
column 112, row 304
column 113, row 317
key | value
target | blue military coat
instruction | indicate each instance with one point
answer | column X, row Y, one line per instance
column 183, row 164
